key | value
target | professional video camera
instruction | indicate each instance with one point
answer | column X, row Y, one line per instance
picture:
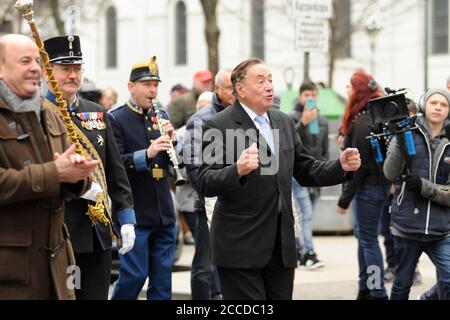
column 391, row 112
column 389, row 109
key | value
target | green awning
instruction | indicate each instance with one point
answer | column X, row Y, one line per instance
column 330, row 103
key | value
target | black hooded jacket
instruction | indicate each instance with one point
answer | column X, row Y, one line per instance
column 317, row 145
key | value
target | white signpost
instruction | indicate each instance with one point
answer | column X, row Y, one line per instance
column 311, row 25
column 321, row 9
column 311, row 35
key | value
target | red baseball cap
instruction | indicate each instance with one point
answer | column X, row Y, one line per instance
column 203, row 76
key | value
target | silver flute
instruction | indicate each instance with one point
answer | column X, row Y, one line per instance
column 179, row 180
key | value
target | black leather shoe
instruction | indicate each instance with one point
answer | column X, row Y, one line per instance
column 363, row 295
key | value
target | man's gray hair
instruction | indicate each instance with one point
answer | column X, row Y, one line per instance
column 240, row 71
column 219, row 76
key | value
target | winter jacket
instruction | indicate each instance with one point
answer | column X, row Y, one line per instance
column 34, row 248
column 369, row 172
column 193, row 143
column 427, row 213
column 316, row 144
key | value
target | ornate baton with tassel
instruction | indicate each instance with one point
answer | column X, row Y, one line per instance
column 96, row 213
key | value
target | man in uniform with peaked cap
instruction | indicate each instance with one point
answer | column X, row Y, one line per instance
column 92, row 242
column 143, row 151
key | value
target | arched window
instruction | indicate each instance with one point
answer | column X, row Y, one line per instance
column 180, row 34
column 111, row 38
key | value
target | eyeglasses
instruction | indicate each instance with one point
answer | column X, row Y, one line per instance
column 68, row 69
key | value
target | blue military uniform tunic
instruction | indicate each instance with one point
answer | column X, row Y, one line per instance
column 135, row 129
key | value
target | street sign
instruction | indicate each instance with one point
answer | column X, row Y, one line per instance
column 313, row 8
column 311, row 35
column 73, row 15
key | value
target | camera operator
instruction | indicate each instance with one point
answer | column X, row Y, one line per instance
column 421, row 206
column 369, row 187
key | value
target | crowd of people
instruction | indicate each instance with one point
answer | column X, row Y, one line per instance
column 79, row 177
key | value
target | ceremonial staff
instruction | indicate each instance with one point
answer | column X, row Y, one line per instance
column 96, row 213
column 25, row 7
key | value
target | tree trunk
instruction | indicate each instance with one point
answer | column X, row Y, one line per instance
column 333, row 45
column 212, row 33
column 58, row 22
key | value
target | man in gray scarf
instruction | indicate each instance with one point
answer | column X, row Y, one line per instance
column 38, row 170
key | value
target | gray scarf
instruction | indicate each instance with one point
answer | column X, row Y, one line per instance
column 19, row 105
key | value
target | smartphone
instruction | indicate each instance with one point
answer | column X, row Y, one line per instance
column 313, row 126
column 311, row 103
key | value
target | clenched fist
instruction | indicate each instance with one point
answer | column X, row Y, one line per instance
column 350, row 159
column 248, row 161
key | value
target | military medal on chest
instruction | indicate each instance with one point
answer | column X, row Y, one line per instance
column 92, row 120
column 155, row 125
column 100, row 140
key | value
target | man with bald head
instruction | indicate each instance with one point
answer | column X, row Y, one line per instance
column 38, row 170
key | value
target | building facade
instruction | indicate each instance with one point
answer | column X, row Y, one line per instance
column 117, row 33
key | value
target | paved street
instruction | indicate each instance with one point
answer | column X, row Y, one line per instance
column 337, row 280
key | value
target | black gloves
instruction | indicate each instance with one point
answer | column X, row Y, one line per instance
column 413, row 182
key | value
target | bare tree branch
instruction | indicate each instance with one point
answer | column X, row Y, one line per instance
column 338, row 40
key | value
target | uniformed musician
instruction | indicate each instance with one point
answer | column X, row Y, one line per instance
column 91, row 241
column 144, row 153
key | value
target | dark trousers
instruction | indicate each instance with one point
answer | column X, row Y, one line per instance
column 272, row 282
column 191, row 220
column 205, row 282
column 369, row 204
column 95, row 268
column 408, row 252
column 386, row 233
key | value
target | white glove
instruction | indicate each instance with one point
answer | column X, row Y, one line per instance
column 128, row 236
column 91, row 194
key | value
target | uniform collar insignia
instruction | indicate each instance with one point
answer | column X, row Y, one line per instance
column 50, row 96
column 133, row 106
